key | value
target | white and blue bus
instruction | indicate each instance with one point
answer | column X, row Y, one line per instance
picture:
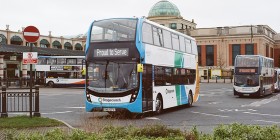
column 277, row 79
column 253, row 75
column 139, row 66
column 61, row 71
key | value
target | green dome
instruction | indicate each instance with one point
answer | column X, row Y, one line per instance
column 164, row 8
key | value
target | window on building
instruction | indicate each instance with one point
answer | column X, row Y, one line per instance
column 267, row 50
column 209, row 55
column 173, row 25
column 199, row 55
column 249, row 49
column 271, row 52
column 235, row 52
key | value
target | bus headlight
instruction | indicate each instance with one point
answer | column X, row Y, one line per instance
column 88, row 97
column 134, row 96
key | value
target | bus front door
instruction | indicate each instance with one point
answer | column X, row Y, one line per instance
column 147, row 88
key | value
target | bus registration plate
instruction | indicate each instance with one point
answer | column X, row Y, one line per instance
column 109, row 109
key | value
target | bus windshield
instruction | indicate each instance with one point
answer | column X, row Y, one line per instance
column 112, row 77
column 248, row 61
column 246, row 80
column 113, row 30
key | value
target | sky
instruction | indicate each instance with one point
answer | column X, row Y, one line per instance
column 73, row 17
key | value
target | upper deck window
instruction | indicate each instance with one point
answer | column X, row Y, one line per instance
column 250, row 61
column 113, row 30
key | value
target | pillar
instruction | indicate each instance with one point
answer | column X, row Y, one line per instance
column 2, row 66
column 24, row 70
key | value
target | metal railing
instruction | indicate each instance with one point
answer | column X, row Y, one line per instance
column 217, row 79
column 20, row 82
column 19, row 101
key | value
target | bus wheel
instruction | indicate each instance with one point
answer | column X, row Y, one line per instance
column 159, row 105
column 51, row 84
column 190, row 99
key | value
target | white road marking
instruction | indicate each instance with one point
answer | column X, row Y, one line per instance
column 268, row 121
column 210, row 114
column 214, row 103
column 261, row 114
column 76, row 107
column 152, row 118
column 259, row 103
column 56, row 112
column 235, row 110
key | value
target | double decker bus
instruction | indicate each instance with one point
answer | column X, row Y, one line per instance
column 137, row 66
column 61, row 71
column 253, row 75
column 277, row 79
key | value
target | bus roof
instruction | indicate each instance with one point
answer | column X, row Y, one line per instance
column 168, row 29
column 153, row 23
column 254, row 56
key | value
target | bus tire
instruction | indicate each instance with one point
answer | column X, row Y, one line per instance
column 159, row 104
column 51, row 84
column 190, row 99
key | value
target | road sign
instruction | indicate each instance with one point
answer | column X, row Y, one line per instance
column 30, row 58
column 31, row 34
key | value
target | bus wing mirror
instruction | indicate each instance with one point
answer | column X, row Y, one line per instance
column 139, row 67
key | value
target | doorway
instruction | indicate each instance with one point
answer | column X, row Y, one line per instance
column 147, row 90
column 11, row 70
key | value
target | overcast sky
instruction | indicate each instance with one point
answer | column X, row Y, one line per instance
column 72, row 17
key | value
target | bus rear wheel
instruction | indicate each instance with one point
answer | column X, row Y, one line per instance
column 159, row 105
column 51, row 84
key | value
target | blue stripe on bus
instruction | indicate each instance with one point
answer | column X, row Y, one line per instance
column 138, row 39
column 88, row 38
column 184, row 96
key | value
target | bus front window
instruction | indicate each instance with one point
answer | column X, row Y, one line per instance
column 112, row 77
column 246, row 80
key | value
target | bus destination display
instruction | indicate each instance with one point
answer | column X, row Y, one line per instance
column 246, row 70
column 116, row 52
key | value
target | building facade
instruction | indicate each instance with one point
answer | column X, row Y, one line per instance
column 45, row 41
column 12, row 44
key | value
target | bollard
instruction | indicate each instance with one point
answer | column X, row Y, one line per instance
column 216, row 79
column 4, row 102
column 37, row 112
column 20, row 82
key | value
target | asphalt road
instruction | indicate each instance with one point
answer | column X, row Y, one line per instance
column 217, row 105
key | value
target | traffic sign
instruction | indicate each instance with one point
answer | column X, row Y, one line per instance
column 30, row 58
column 31, row 34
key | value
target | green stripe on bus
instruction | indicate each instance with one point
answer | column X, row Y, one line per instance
column 178, row 94
column 178, row 60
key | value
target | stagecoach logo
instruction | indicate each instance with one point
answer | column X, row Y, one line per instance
column 169, row 91
column 111, row 52
column 109, row 100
